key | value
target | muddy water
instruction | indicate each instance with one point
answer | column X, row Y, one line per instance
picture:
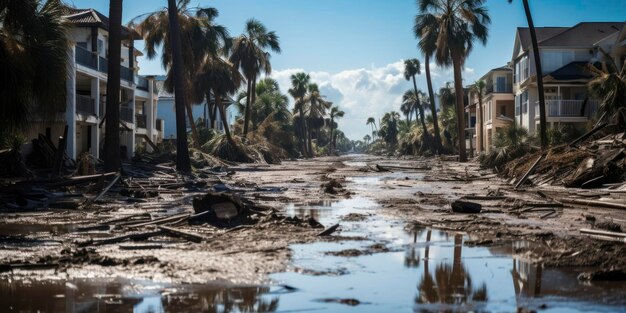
column 418, row 270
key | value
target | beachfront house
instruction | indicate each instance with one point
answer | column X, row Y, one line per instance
column 86, row 92
column 496, row 110
column 167, row 112
column 565, row 52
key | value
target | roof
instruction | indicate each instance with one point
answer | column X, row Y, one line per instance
column 93, row 18
column 584, row 34
column 571, row 71
column 501, row 68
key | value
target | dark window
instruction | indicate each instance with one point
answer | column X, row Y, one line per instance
column 503, row 110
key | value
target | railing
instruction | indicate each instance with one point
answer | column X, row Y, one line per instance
column 568, row 108
column 159, row 124
column 142, row 83
column 93, row 61
column 85, row 105
column 141, row 120
column 126, row 114
column 494, row 89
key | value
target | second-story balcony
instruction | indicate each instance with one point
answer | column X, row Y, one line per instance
column 91, row 60
column 568, row 108
column 85, row 105
column 141, row 120
column 499, row 89
column 142, row 83
column 126, row 114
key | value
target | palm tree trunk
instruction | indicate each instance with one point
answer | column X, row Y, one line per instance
column 220, row 105
column 421, row 109
column 480, row 122
column 302, row 134
column 192, row 123
column 542, row 99
column 214, row 116
column 433, row 107
column 252, row 101
column 460, row 109
column 309, row 139
column 183, row 164
column 210, row 109
column 330, row 139
column 246, row 119
column 112, row 158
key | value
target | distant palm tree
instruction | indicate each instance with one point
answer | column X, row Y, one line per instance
column 223, row 79
column 460, row 22
column 367, row 139
column 426, row 29
column 479, row 89
column 34, row 48
column 372, row 121
column 609, row 85
column 335, row 113
column 411, row 69
column 389, row 128
column 248, row 53
column 317, row 106
column 298, row 90
column 112, row 158
column 543, row 124
column 410, row 101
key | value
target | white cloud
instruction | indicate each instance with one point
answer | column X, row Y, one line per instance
column 362, row 93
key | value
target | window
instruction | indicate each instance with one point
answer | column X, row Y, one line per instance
column 500, row 84
column 525, row 101
column 522, row 70
column 502, row 110
column 518, row 100
column 100, row 45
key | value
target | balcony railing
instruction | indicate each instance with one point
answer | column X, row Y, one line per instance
column 126, row 114
column 93, row 61
column 568, row 108
column 142, row 83
column 159, row 124
column 141, row 120
column 85, row 105
column 495, row 89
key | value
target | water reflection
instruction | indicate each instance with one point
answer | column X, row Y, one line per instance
column 129, row 296
column 449, row 284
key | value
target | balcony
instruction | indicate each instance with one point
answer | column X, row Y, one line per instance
column 126, row 114
column 85, row 105
column 142, row 83
column 91, row 60
column 159, row 124
column 568, row 108
column 141, row 120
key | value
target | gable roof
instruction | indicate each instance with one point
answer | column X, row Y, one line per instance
column 93, row 18
column 542, row 33
column 584, row 34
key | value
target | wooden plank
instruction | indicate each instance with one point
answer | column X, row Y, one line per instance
column 181, row 233
column 529, row 172
column 161, row 220
column 595, row 203
column 602, row 233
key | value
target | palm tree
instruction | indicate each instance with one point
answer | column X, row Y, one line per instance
column 112, row 159
column 460, row 22
column 34, row 47
column 248, row 53
column 335, row 113
column 200, row 35
column 298, row 90
column 426, row 29
column 411, row 69
column 542, row 100
column 367, row 139
column 389, row 128
column 609, row 85
column 222, row 78
column 479, row 89
column 317, row 110
column 372, row 121
column 183, row 163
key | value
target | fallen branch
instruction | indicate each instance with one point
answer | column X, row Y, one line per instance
column 118, row 239
column 181, row 233
column 529, row 172
column 105, row 190
column 595, row 203
column 602, row 233
column 329, row 230
column 161, row 220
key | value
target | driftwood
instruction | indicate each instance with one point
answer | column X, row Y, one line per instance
column 486, row 198
column 118, row 239
column 181, row 233
column 596, row 203
column 140, row 247
column 529, row 172
column 104, row 191
column 329, row 230
column 162, row 220
column 80, row 179
column 602, row 233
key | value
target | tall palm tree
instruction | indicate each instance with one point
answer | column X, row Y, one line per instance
column 112, row 159
column 183, row 162
column 372, row 121
column 298, row 90
column 34, row 48
column 411, row 69
column 223, row 79
column 335, row 113
column 317, row 106
column 249, row 53
column 200, row 35
column 367, row 139
column 460, row 22
column 542, row 100
column 426, row 29
column 479, row 89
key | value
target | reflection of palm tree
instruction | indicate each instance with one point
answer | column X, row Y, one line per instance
column 451, row 284
column 245, row 299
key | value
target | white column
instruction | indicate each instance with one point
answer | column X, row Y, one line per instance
column 131, row 141
column 95, row 133
column 70, row 111
column 150, row 114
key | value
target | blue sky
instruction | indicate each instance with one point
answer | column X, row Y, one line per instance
column 353, row 48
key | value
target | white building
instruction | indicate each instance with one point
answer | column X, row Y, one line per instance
column 86, row 91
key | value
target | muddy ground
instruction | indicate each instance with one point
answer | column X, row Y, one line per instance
column 417, row 192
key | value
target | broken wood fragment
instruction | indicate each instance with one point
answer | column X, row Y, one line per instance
column 459, row 206
column 163, row 220
column 118, row 239
column 329, row 230
column 104, row 191
column 602, row 233
column 529, row 172
column 182, row 234
column 596, row 203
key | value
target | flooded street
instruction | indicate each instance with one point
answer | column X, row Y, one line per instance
column 382, row 262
